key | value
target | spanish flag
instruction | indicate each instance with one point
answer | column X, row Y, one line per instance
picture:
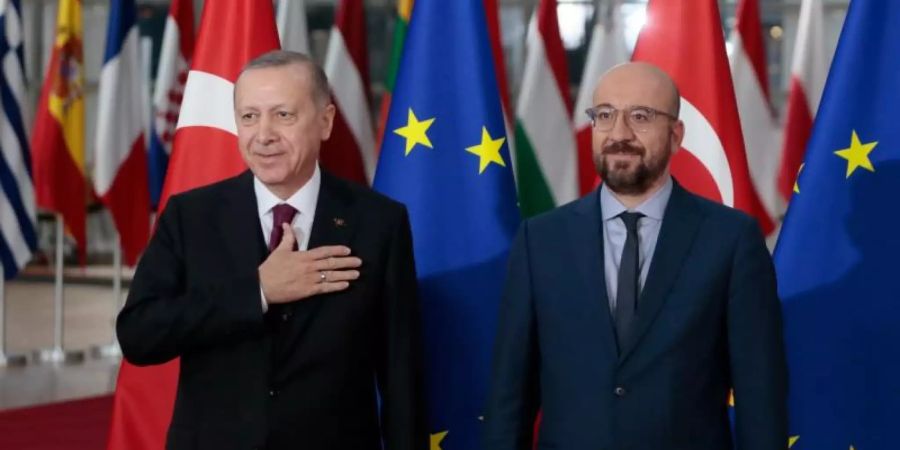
column 58, row 138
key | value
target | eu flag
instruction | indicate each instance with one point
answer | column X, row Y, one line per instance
column 837, row 258
column 446, row 157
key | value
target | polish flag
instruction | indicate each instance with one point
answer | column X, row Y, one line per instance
column 120, row 164
column 292, row 28
column 350, row 152
column 684, row 38
column 607, row 49
column 808, row 72
column 762, row 135
column 204, row 151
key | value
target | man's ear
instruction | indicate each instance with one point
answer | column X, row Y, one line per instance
column 327, row 118
column 677, row 135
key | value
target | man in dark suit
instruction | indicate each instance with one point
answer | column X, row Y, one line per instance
column 629, row 314
column 282, row 347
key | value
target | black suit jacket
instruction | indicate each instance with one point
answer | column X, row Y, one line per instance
column 303, row 375
column 708, row 319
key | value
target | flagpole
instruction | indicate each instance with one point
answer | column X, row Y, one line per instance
column 56, row 353
column 608, row 15
column 6, row 360
column 112, row 349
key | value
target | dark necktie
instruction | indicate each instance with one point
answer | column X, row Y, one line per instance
column 281, row 213
column 629, row 271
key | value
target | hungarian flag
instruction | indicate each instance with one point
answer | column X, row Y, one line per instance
column 546, row 163
column 401, row 24
column 607, row 49
column 171, row 75
column 684, row 38
column 809, row 70
column 57, row 142
column 205, row 151
column 350, row 152
column 751, row 88
column 120, row 160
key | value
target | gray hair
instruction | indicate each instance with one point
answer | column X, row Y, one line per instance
column 281, row 58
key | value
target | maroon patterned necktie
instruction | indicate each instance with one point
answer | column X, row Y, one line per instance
column 281, row 213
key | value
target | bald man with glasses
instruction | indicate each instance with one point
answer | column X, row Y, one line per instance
column 630, row 315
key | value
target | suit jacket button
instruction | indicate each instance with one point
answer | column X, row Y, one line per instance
column 273, row 392
column 620, row 391
column 285, row 317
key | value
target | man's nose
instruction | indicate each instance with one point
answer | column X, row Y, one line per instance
column 621, row 131
column 266, row 133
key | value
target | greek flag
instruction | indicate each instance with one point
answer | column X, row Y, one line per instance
column 17, row 206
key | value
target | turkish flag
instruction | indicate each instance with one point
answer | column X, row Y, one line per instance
column 685, row 39
column 204, row 151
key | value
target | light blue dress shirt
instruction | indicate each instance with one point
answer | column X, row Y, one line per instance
column 614, row 235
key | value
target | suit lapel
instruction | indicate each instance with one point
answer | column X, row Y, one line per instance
column 333, row 223
column 676, row 236
column 585, row 228
column 239, row 223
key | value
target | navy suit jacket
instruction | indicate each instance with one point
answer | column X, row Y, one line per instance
column 708, row 319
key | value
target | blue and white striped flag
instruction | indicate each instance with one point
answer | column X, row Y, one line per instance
column 18, row 237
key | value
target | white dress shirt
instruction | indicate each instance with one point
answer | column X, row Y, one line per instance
column 304, row 201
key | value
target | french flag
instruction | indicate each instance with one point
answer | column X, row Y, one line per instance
column 120, row 164
column 174, row 62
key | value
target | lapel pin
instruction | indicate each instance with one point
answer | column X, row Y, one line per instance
column 339, row 222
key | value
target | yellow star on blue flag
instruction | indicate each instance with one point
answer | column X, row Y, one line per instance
column 447, row 72
column 857, row 155
column 436, row 439
column 836, row 257
column 415, row 132
column 488, row 151
column 796, row 180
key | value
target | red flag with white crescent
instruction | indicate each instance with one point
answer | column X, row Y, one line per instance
column 204, row 151
column 685, row 39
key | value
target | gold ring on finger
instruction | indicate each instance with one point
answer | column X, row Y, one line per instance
column 322, row 277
